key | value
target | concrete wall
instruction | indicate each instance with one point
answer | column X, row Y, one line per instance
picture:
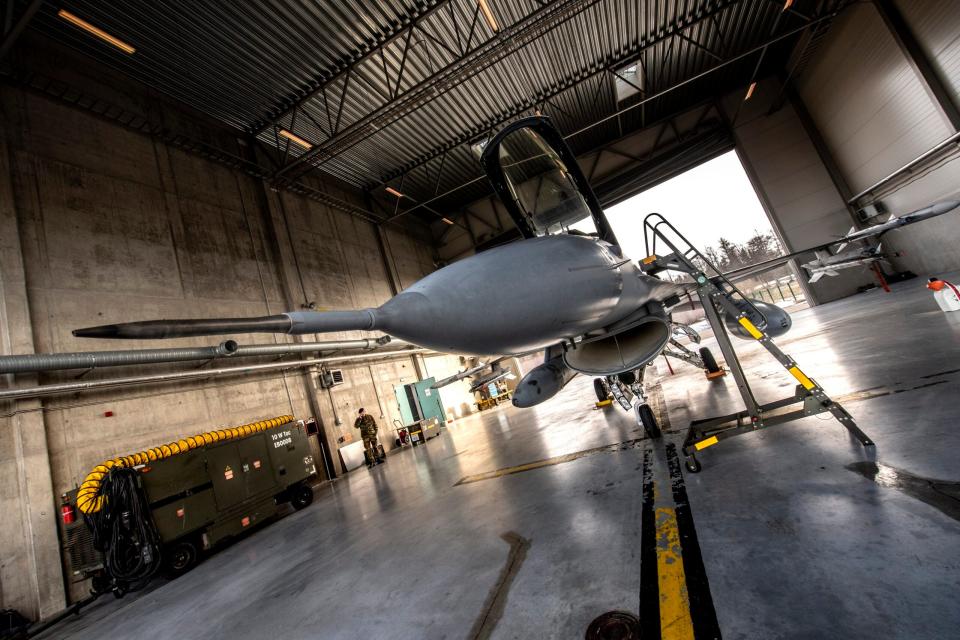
column 100, row 224
column 875, row 116
column 801, row 200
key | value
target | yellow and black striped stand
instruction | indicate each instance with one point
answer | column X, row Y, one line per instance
column 719, row 295
column 709, row 432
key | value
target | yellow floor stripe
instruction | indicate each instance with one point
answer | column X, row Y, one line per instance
column 675, row 620
column 549, row 462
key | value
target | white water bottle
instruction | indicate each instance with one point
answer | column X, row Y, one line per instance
column 945, row 293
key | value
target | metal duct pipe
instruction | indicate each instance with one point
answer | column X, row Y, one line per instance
column 33, row 363
column 77, row 387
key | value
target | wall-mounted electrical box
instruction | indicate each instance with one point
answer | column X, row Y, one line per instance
column 331, row 378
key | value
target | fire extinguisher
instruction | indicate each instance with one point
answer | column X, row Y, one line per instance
column 66, row 511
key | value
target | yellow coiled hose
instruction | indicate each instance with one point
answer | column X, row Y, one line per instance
column 88, row 500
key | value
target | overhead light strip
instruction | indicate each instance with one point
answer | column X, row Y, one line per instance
column 393, row 192
column 100, row 33
column 488, row 15
column 295, row 138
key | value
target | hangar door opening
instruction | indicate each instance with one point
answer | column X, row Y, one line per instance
column 716, row 208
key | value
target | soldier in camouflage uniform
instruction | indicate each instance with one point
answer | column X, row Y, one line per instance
column 368, row 431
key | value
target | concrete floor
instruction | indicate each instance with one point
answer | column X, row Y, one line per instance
column 794, row 544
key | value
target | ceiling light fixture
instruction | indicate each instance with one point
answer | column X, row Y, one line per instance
column 295, row 138
column 394, row 192
column 488, row 15
column 787, row 4
column 753, row 85
column 100, row 33
column 447, row 220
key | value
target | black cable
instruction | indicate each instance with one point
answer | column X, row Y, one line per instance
column 124, row 531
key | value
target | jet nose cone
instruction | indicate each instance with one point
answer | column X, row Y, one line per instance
column 103, row 331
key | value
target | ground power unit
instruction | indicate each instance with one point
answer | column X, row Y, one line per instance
column 166, row 505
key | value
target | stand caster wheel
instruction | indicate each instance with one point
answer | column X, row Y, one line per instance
column 692, row 464
column 601, row 389
column 646, row 418
column 709, row 362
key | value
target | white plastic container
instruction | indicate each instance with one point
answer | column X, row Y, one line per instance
column 945, row 293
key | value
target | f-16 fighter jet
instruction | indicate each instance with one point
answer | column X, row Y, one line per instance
column 829, row 264
column 572, row 294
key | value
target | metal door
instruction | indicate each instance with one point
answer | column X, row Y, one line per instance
column 223, row 463
column 255, row 466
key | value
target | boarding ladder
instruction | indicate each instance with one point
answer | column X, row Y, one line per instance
column 719, row 295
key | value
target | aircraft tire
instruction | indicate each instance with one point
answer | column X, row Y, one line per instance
column 648, row 420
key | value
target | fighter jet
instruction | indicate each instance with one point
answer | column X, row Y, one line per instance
column 569, row 293
column 895, row 222
column 829, row 264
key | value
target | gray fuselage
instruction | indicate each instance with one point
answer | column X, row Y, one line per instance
column 541, row 291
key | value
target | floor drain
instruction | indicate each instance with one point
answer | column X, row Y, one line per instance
column 614, row 625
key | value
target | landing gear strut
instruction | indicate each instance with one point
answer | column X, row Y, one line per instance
column 627, row 390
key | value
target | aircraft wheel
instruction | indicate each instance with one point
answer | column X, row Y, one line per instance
column 601, row 389
column 692, row 464
column 708, row 360
column 647, row 419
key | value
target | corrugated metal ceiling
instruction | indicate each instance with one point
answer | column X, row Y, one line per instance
column 395, row 88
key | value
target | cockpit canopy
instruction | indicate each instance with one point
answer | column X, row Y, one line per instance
column 540, row 183
column 537, row 178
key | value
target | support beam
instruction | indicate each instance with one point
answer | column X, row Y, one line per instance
column 497, row 49
column 918, row 59
column 528, row 103
column 10, row 37
column 270, row 208
column 396, row 31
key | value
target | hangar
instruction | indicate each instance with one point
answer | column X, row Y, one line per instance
column 309, row 209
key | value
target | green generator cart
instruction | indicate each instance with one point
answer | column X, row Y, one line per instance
column 199, row 491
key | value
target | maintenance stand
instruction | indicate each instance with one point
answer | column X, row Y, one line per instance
column 719, row 295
